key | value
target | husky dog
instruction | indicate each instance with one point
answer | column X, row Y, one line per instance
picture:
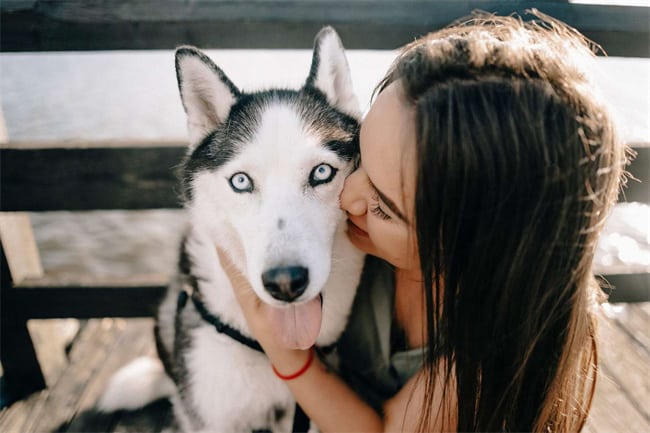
column 261, row 180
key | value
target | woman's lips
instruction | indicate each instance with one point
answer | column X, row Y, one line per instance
column 355, row 230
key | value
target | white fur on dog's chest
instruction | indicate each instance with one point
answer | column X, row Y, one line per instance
column 233, row 386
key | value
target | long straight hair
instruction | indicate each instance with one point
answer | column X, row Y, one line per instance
column 518, row 165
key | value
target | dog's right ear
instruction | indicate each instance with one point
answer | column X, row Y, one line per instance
column 207, row 94
column 330, row 73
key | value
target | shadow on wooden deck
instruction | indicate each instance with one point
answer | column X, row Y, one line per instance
column 99, row 346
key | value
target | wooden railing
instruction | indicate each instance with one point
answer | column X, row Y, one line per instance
column 46, row 176
column 362, row 24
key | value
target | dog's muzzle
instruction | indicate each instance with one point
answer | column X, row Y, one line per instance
column 286, row 283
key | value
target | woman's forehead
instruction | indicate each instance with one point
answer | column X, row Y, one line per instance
column 388, row 143
column 391, row 120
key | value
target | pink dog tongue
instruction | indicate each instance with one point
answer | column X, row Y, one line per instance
column 297, row 325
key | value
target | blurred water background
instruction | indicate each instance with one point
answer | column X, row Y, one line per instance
column 133, row 95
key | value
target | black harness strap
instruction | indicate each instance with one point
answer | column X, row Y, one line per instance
column 221, row 327
column 300, row 421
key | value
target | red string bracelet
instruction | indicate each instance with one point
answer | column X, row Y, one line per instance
column 297, row 373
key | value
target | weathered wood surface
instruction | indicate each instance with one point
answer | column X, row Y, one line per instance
column 638, row 186
column 49, row 298
column 367, row 24
column 627, row 287
column 91, row 177
column 103, row 345
column 623, row 387
column 19, row 246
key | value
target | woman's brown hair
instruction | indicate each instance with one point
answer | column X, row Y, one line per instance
column 518, row 166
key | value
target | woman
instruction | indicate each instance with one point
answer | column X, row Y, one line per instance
column 487, row 169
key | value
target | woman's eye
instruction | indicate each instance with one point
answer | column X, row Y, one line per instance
column 322, row 173
column 240, row 182
column 376, row 209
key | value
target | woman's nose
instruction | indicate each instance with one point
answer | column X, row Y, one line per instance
column 352, row 198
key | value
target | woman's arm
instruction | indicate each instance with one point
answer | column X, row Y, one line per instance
column 326, row 398
column 334, row 407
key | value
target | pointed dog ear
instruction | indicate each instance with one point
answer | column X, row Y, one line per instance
column 330, row 73
column 207, row 94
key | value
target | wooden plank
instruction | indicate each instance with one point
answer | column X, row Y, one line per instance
column 638, row 186
column 83, row 382
column 135, row 340
column 60, row 404
column 120, row 297
column 634, row 319
column 19, row 246
column 77, row 178
column 138, row 296
column 626, row 363
column 4, row 138
column 627, row 287
column 611, row 410
column 624, row 384
column 51, row 338
column 21, row 372
column 132, row 175
column 93, row 25
column 84, row 379
column 14, row 417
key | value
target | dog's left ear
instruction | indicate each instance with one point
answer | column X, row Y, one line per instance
column 206, row 92
column 330, row 73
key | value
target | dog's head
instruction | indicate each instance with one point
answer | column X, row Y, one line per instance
column 264, row 172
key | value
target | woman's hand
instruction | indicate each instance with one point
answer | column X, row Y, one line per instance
column 326, row 399
column 250, row 304
column 257, row 314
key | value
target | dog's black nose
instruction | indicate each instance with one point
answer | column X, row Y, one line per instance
column 286, row 283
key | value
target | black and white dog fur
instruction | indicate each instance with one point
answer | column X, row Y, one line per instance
column 262, row 179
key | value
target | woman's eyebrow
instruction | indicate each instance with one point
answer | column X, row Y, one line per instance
column 390, row 203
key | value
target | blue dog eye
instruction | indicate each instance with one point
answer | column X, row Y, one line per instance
column 240, row 182
column 322, row 173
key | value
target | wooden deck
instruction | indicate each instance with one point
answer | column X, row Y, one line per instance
column 78, row 358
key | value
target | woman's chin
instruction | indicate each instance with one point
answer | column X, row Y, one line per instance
column 360, row 239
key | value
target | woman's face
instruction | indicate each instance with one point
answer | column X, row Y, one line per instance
column 379, row 196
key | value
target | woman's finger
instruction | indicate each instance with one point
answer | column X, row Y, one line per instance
column 237, row 279
column 242, row 287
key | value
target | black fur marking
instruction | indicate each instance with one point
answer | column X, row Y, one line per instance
column 325, row 119
column 347, row 150
column 310, row 104
column 279, row 413
column 214, row 151
column 315, row 62
column 163, row 354
column 187, row 51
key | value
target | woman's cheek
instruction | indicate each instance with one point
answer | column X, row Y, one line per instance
column 392, row 244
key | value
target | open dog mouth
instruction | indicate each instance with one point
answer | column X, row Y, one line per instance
column 296, row 325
